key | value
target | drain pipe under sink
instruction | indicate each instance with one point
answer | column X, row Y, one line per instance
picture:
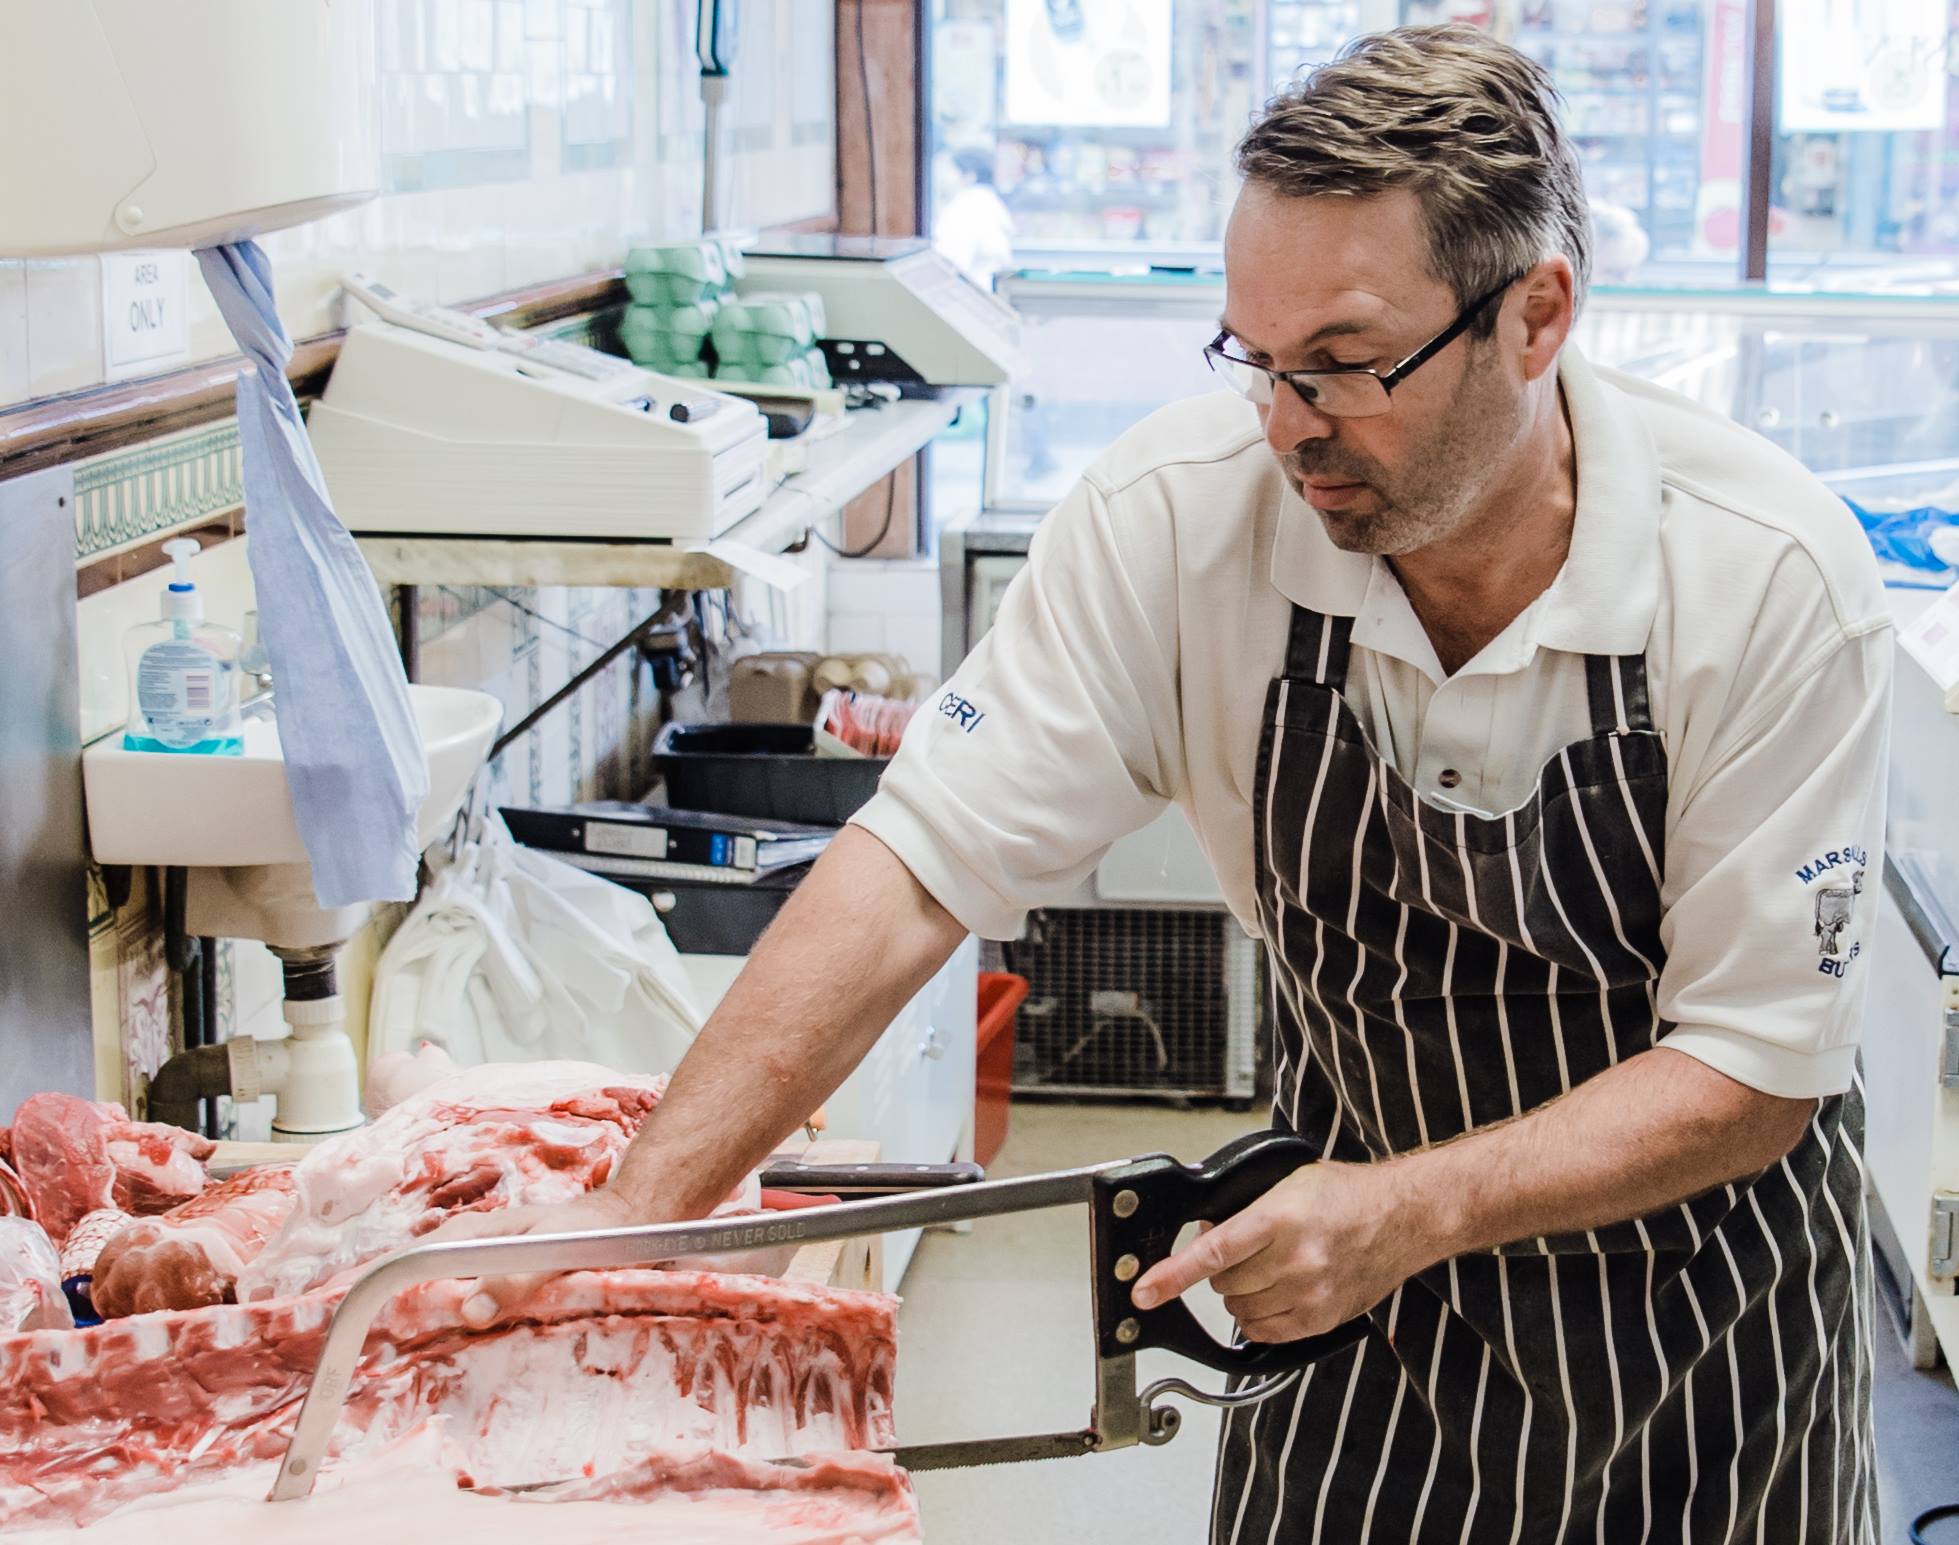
column 311, row 1073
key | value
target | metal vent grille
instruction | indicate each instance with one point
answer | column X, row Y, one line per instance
column 1125, row 1002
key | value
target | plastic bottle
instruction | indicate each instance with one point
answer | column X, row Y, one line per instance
column 183, row 673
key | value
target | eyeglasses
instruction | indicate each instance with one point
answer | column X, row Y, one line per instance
column 1346, row 391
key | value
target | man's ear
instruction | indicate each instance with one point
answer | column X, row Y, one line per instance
column 1547, row 314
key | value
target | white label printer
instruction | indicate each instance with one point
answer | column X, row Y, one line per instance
column 429, row 427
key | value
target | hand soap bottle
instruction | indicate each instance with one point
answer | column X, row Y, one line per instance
column 183, row 673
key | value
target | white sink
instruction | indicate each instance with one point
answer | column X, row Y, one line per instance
column 152, row 807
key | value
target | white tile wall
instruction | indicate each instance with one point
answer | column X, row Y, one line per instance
column 889, row 607
column 14, row 372
column 64, row 324
column 454, row 78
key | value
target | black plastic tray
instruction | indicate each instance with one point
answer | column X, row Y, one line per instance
column 766, row 770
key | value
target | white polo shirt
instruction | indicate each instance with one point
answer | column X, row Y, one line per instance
column 1129, row 664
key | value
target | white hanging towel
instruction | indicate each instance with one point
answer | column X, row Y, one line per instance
column 353, row 752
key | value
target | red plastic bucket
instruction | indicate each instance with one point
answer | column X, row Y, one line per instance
column 1000, row 997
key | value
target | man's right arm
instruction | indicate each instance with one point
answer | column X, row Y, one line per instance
column 857, row 939
column 855, row 942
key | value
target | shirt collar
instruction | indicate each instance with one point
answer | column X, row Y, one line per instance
column 1603, row 599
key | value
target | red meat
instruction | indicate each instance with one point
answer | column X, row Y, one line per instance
column 192, row 1255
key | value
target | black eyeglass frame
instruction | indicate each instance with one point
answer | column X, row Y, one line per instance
column 1392, row 377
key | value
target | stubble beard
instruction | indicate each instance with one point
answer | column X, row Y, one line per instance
column 1433, row 492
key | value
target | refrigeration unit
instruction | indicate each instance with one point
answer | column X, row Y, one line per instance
column 1143, row 985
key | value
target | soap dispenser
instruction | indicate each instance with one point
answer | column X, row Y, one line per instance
column 183, row 673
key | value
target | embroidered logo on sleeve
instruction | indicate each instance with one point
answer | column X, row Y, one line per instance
column 961, row 712
column 1838, row 878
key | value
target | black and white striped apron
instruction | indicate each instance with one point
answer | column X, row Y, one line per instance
column 1701, row 1374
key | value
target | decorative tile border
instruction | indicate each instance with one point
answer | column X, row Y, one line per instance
column 126, row 498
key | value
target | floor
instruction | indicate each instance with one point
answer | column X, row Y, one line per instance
column 996, row 1341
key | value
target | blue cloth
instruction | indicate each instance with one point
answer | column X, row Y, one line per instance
column 353, row 752
column 1905, row 536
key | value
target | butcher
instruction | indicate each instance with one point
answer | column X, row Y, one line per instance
column 1534, row 719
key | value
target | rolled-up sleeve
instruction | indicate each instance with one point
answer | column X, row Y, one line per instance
column 1058, row 734
column 1773, row 870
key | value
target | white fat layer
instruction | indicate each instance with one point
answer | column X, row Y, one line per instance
column 362, row 1194
column 408, row 1495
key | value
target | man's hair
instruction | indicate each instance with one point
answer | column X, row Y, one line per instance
column 1466, row 123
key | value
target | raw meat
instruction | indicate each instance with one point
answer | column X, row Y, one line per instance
column 394, row 1075
column 833, row 1497
column 62, row 1159
column 158, row 1166
column 407, row 1493
column 604, row 1370
column 88, row 1238
column 488, row 1137
column 30, row 1280
column 192, row 1255
column 14, row 1201
column 77, row 1156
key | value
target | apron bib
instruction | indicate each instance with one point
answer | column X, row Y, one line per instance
column 1701, row 1374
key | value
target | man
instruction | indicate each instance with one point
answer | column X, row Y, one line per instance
column 975, row 230
column 1535, row 720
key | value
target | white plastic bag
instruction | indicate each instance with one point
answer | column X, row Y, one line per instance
column 30, row 1280
column 513, row 956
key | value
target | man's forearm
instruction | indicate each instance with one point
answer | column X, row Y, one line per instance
column 858, row 938
column 1657, row 1129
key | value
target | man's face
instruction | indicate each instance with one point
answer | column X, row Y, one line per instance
column 1312, row 283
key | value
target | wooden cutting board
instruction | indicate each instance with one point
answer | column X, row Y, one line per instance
column 853, row 1263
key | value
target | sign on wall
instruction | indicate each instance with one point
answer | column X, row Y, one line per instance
column 145, row 312
column 1089, row 63
column 1850, row 65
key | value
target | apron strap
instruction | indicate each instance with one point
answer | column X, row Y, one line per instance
column 1316, row 648
column 1616, row 685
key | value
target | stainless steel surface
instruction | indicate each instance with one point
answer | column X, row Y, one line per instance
column 1915, row 892
column 1127, row 1267
column 1250, row 1395
column 602, row 1248
column 1945, row 1235
column 44, row 974
column 1128, row 1330
column 1118, row 1413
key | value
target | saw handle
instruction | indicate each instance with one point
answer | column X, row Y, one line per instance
column 1161, row 1195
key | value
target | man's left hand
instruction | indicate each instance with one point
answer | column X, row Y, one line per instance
column 1325, row 1244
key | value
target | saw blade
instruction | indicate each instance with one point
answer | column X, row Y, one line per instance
column 995, row 1451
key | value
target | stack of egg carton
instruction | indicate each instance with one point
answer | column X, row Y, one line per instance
column 686, row 321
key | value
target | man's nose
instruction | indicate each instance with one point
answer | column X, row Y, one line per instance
column 1289, row 421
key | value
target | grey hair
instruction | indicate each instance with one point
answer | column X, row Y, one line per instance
column 1468, row 124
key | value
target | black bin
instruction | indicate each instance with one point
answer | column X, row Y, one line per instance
column 766, row 770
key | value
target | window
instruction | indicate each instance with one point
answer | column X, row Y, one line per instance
column 1094, row 133
column 1865, row 177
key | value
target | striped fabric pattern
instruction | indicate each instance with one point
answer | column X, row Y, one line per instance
column 1701, row 1374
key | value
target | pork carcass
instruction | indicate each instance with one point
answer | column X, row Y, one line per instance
column 604, row 1371
column 488, row 1137
column 193, row 1254
column 77, row 1156
column 408, row 1492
